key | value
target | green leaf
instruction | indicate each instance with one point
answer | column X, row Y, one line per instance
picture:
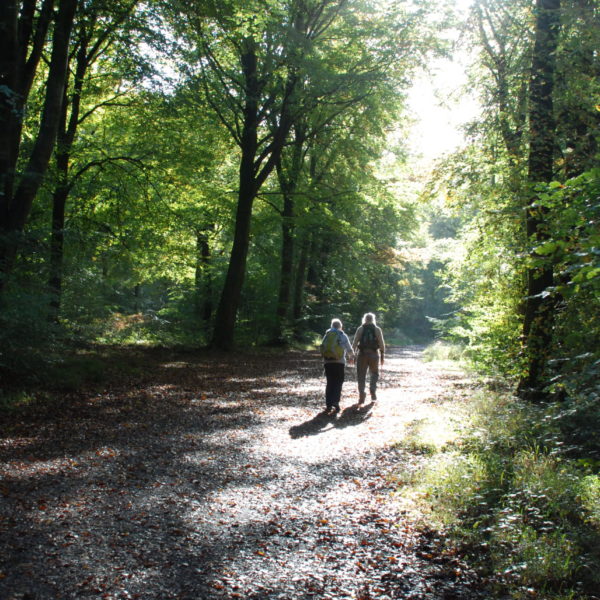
column 547, row 248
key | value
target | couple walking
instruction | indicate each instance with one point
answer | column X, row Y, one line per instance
column 368, row 347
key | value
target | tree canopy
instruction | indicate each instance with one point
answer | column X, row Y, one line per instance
column 235, row 172
column 214, row 175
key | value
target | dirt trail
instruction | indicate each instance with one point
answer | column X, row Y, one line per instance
column 212, row 478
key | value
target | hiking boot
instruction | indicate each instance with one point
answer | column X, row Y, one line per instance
column 361, row 398
column 373, row 396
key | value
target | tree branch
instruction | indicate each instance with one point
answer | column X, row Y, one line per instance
column 100, row 163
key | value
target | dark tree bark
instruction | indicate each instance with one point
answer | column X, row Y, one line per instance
column 307, row 22
column 203, row 278
column 307, row 271
column 287, row 262
column 16, row 206
column 18, row 37
column 57, row 237
column 300, row 284
column 288, row 183
column 538, row 317
column 230, row 298
column 137, row 297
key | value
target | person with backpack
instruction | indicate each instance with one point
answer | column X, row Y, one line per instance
column 368, row 339
column 334, row 347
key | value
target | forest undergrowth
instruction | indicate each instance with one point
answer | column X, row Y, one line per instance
column 518, row 491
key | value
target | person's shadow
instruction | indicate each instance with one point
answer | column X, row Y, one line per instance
column 354, row 415
column 350, row 416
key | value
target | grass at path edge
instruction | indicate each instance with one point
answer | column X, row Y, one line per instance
column 504, row 483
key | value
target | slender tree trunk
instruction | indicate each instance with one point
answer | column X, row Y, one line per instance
column 288, row 183
column 538, row 318
column 67, row 130
column 300, row 284
column 137, row 297
column 21, row 44
column 203, row 279
column 234, row 280
column 317, row 261
column 10, row 105
column 207, row 307
column 287, row 261
column 59, row 204
column 57, row 238
column 15, row 210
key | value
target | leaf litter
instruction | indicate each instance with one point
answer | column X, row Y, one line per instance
column 219, row 477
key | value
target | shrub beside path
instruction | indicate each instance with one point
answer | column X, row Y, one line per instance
column 213, row 476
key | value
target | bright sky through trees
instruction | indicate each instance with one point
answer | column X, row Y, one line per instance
column 441, row 104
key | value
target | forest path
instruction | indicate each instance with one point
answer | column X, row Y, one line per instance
column 218, row 477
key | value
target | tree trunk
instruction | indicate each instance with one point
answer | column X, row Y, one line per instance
column 252, row 176
column 10, row 104
column 57, row 237
column 203, row 279
column 232, row 289
column 67, row 130
column 18, row 36
column 300, row 284
column 234, row 280
column 16, row 209
column 538, row 318
column 287, row 262
column 288, row 183
column 137, row 296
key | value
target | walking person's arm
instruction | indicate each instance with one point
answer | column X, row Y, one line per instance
column 356, row 340
column 348, row 348
column 381, row 343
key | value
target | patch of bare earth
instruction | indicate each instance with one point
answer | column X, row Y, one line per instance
column 217, row 477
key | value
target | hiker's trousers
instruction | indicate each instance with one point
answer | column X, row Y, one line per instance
column 334, row 372
column 367, row 360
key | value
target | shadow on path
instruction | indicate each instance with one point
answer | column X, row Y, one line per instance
column 350, row 416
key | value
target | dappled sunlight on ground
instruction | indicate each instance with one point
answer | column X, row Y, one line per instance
column 210, row 479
